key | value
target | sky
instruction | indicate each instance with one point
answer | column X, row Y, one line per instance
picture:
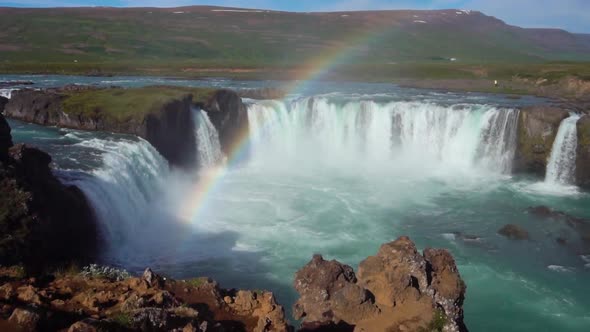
column 572, row 15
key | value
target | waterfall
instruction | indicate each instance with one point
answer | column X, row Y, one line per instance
column 209, row 149
column 562, row 162
column 6, row 93
column 123, row 189
column 362, row 131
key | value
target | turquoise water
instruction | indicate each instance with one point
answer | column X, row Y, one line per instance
column 319, row 180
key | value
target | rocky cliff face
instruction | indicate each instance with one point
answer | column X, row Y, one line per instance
column 537, row 128
column 3, row 102
column 398, row 289
column 229, row 116
column 41, row 220
column 169, row 129
column 583, row 153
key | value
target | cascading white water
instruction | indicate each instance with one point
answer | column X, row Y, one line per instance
column 562, row 162
column 208, row 146
column 361, row 132
column 123, row 188
column 6, row 93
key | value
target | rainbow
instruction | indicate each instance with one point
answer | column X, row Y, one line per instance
column 313, row 71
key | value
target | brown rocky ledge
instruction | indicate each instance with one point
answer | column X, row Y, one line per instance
column 398, row 289
column 107, row 302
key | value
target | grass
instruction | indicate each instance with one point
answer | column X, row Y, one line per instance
column 157, row 41
column 124, row 104
column 197, row 282
column 437, row 323
column 123, row 319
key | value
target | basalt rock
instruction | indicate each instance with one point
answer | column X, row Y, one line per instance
column 3, row 102
column 41, row 219
column 169, row 129
column 583, row 153
column 229, row 116
column 397, row 289
column 537, row 128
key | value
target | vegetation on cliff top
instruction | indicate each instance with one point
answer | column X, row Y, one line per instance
column 123, row 104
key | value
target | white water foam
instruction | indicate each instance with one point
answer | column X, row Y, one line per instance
column 123, row 189
column 562, row 162
column 361, row 133
column 208, row 146
column 6, row 93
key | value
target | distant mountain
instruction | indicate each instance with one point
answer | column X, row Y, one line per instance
column 232, row 36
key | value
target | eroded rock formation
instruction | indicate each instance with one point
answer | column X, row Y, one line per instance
column 398, row 289
column 95, row 302
column 229, row 116
column 537, row 128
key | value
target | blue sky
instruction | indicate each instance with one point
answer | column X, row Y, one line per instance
column 572, row 15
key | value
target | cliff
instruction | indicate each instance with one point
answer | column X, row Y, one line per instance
column 41, row 219
column 537, row 128
column 583, row 153
column 162, row 115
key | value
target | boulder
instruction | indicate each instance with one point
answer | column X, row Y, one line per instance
column 152, row 279
column 537, row 128
column 229, row 116
column 583, row 153
column 82, row 326
column 514, row 232
column 263, row 306
column 396, row 288
column 25, row 319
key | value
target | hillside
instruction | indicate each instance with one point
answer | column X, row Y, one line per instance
column 223, row 36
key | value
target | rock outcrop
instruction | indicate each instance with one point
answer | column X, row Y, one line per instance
column 229, row 116
column 398, row 289
column 169, row 129
column 95, row 302
column 583, row 153
column 514, row 232
column 3, row 102
column 537, row 128
column 41, row 219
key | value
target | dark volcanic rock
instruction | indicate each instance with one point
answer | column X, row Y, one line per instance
column 583, row 153
column 537, row 128
column 3, row 102
column 398, row 289
column 171, row 132
column 169, row 129
column 229, row 116
column 5, row 138
column 41, row 219
column 514, row 232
